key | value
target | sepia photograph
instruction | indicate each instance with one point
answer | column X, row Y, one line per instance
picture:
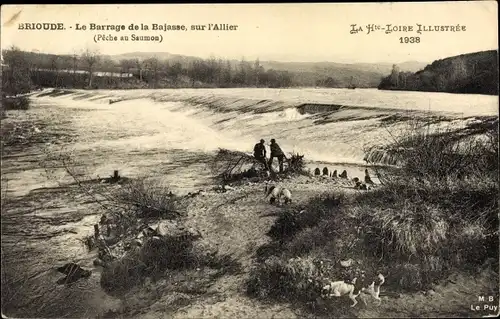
column 292, row 160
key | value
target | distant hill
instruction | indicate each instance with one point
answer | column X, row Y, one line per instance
column 147, row 55
column 466, row 73
column 302, row 73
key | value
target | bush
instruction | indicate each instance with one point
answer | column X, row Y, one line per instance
column 232, row 166
column 428, row 153
column 439, row 211
column 296, row 165
column 292, row 279
column 147, row 199
column 293, row 220
column 122, row 274
column 155, row 256
column 168, row 252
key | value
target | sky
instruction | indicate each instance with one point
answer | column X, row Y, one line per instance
column 283, row 32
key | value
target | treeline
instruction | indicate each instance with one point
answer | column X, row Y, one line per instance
column 23, row 71
column 467, row 73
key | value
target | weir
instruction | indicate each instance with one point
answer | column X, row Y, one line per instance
column 327, row 132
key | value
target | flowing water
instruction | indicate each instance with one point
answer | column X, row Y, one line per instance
column 171, row 135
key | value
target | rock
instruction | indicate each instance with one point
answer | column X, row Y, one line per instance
column 73, row 273
column 68, row 268
column 343, row 174
column 430, row 292
column 347, row 263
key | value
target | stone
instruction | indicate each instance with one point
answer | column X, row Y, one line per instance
column 347, row 263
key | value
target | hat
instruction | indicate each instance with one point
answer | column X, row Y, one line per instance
column 273, row 140
column 262, row 141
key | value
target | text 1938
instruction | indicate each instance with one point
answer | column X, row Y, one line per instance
column 409, row 40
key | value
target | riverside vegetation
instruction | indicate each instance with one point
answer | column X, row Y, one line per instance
column 431, row 220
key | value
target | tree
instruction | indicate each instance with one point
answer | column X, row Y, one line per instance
column 226, row 77
column 138, row 64
column 458, row 73
column 151, row 65
column 459, row 69
column 258, row 70
column 394, row 76
column 175, row 71
column 126, row 65
column 18, row 76
column 75, row 62
column 90, row 58
column 55, row 62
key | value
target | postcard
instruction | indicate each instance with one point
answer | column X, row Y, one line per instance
column 294, row 160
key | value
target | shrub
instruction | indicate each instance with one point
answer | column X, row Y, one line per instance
column 410, row 231
column 295, row 278
column 122, row 274
column 293, row 220
column 148, row 199
column 155, row 256
column 296, row 165
column 231, row 166
column 168, row 252
column 427, row 152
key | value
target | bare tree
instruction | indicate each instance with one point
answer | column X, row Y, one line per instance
column 395, row 75
column 139, row 64
column 75, row 60
column 257, row 71
column 152, row 65
column 90, row 58
column 54, row 66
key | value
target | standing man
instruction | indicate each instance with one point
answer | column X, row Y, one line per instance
column 259, row 152
column 278, row 153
